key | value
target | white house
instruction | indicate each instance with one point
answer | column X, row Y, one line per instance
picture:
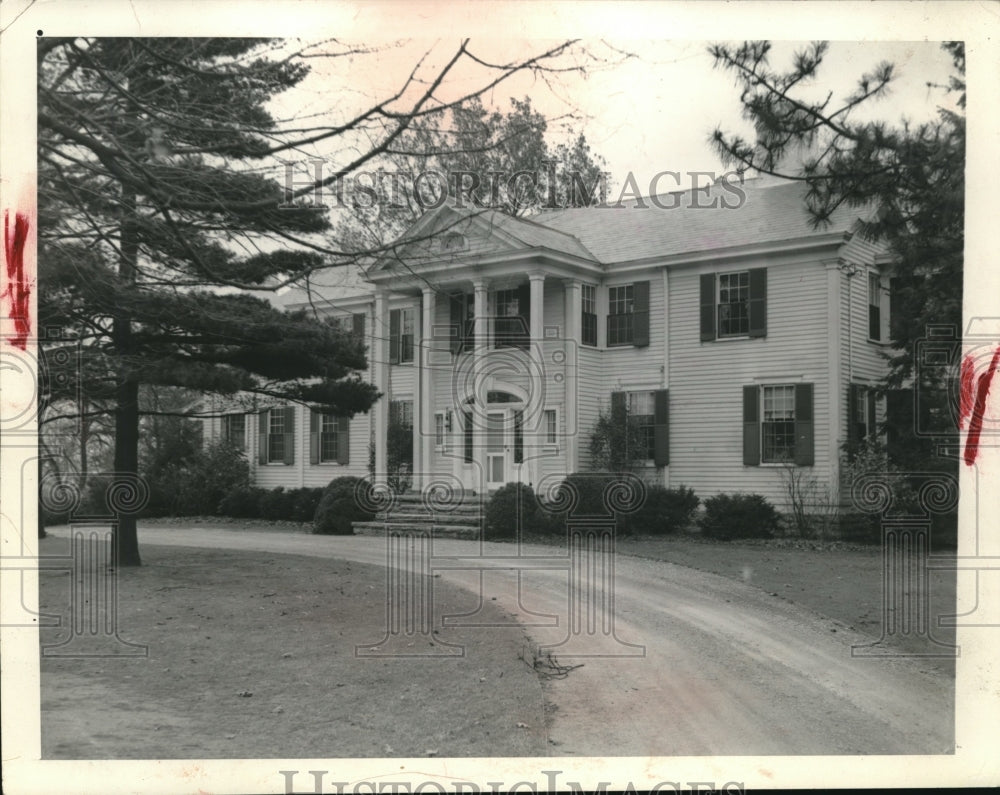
column 739, row 335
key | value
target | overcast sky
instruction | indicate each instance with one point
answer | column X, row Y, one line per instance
column 646, row 114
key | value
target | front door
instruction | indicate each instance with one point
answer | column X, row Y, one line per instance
column 504, row 447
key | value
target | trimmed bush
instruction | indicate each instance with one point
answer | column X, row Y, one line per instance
column 338, row 508
column 303, row 504
column 859, row 528
column 242, row 503
column 729, row 516
column 513, row 506
column 664, row 511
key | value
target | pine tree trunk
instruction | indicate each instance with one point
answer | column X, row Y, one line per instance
column 127, row 390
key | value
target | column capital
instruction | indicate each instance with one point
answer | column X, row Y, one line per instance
column 428, row 290
column 536, row 276
column 480, row 283
column 572, row 283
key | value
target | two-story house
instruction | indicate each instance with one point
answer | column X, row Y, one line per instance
column 740, row 337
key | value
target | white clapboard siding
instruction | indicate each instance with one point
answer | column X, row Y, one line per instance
column 707, row 378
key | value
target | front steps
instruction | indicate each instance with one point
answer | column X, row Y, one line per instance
column 410, row 513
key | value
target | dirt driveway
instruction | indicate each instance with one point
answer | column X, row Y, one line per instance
column 720, row 667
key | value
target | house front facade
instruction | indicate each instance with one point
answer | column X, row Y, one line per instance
column 740, row 339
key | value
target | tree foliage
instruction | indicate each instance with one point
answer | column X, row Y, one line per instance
column 161, row 224
column 910, row 178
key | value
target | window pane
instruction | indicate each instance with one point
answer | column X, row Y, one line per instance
column 550, row 426
column 734, row 304
column 778, row 427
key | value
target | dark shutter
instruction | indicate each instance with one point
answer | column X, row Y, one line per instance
column 456, row 304
column 899, row 422
column 894, row 310
column 518, row 437
column 853, row 435
column 262, row 419
column 314, row 430
column 804, row 441
column 640, row 314
column 394, row 346
column 522, row 336
column 343, row 440
column 468, row 436
column 358, row 320
column 758, row 302
column 619, row 407
column 289, row 435
column 870, row 396
column 707, row 307
column 751, row 426
column 661, row 428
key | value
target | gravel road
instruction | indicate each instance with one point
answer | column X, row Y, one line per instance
column 725, row 669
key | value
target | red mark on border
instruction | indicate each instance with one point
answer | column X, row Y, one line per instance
column 982, row 389
column 17, row 283
column 967, row 390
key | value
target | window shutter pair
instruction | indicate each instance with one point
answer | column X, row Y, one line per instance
column 757, row 307
column 804, row 433
column 263, row 432
column 343, row 438
column 640, row 314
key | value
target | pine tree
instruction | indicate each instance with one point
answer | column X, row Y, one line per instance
column 159, row 221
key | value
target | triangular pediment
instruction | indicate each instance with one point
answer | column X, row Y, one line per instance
column 449, row 235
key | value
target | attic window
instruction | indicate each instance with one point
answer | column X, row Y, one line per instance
column 452, row 241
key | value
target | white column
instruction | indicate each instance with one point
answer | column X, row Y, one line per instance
column 380, row 357
column 666, row 354
column 837, row 388
column 573, row 338
column 534, row 440
column 480, row 351
column 425, row 436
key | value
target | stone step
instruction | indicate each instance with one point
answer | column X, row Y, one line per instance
column 417, row 517
column 438, row 531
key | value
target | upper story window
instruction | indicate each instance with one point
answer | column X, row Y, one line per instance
column 234, row 430
column 588, row 314
column 401, row 335
column 734, row 304
column 510, row 327
column 621, row 304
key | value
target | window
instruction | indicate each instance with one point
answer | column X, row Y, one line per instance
column 860, row 413
column 468, row 435
column 874, row 307
column 329, row 436
column 351, row 324
column 778, row 425
column 510, row 328
column 641, row 412
column 621, row 303
column 276, row 437
column 551, row 427
column 234, row 430
column 439, row 429
column 588, row 314
column 734, row 304
column 401, row 336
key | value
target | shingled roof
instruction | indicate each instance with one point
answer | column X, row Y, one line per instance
column 770, row 213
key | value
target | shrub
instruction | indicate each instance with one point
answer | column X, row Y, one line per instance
column 513, row 506
column 859, row 528
column 212, row 475
column 275, row 504
column 664, row 511
column 242, row 503
column 303, row 504
column 729, row 516
column 338, row 508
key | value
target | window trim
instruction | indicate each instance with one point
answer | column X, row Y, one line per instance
column 651, row 425
column 584, row 313
column 440, row 444
column 271, row 415
column 878, row 306
column 552, row 443
column 336, row 435
column 225, row 434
